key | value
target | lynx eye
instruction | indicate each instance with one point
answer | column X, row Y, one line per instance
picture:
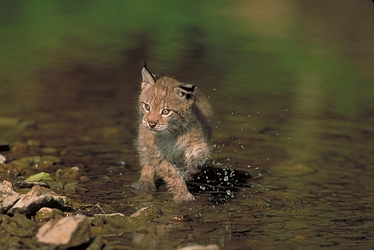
column 166, row 112
column 146, row 107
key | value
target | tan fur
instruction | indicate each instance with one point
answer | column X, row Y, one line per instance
column 173, row 145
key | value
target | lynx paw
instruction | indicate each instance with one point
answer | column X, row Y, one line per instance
column 144, row 185
column 184, row 197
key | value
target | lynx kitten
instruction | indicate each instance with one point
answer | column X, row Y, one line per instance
column 174, row 133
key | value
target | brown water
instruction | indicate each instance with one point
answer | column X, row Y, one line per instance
column 292, row 87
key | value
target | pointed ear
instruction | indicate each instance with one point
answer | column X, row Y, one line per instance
column 147, row 78
column 186, row 91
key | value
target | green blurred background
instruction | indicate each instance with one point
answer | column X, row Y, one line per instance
column 316, row 54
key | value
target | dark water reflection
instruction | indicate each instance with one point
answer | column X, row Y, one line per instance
column 291, row 83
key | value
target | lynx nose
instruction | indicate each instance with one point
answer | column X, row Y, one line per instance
column 152, row 124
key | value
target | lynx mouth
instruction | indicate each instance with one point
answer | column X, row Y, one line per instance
column 156, row 129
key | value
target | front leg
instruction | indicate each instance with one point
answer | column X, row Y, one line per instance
column 175, row 182
column 196, row 158
column 146, row 180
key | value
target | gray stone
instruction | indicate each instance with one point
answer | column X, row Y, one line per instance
column 8, row 197
column 46, row 214
column 200, row 247
column 2, row 158
column 65, row 232
column 37, row 198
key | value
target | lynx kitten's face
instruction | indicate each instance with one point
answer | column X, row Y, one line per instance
column 165, row 104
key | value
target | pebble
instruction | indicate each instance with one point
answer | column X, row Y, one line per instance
column 46, row 214
column 37, row 198
column 42, row 176
column 200, row 247
column 72, row 173
column 8, row 197
column 181, row 218
column 11, row 169
column 69, row 188
column 49, row 150
column 66, row 232
column 41, row 162
column 2, row 158
column 147, row 213
column 19, row 148
column 8, row 122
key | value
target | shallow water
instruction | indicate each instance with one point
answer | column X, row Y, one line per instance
column 291, row 84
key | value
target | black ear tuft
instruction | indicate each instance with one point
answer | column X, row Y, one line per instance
column 186, row 91
column 148, row 78
column 188, row 87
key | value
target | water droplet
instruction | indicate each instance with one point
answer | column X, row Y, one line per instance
column 202, row 187
column 226, row 178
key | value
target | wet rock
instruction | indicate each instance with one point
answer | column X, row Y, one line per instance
column 30, row 184
column 66, row 232
column 72, row 173
column 46, row 214
column 49, row 150
column 19, row 148
column 36, row 198
column 33, row 142
column 96, row 244
column 47, row 161
column 143, row 238
column 8, row 122
column 69, row 188
column 98, row 208
column 116, row 219
column 2, row 158
column 84, row 179
column 42, row 176
column 11, row 169
column 110, row 223
column 8, row 197
column 56, row 185
column 181, row 218
column 42, row 162
column 8, row 183
column 20, row 225
column 146, row 213
column 200, row 247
